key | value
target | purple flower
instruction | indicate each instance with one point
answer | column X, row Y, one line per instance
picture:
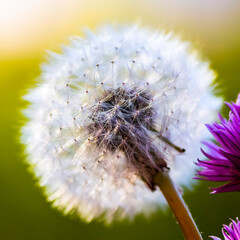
column 223, row 163
column 231, row 232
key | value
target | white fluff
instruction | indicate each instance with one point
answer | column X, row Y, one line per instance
column 75, row 173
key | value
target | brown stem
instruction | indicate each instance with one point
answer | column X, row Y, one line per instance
column 178, row 206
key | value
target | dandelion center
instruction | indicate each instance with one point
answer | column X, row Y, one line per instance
column 119, row 114
column 123, row 120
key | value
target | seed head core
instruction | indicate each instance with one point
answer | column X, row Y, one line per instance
column 122, row 120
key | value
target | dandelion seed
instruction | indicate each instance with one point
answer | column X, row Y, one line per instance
column 231, row 232
column 224, row 160
column 124, row 121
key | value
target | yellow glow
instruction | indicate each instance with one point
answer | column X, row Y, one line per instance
column 27, row 24
column 28, row 27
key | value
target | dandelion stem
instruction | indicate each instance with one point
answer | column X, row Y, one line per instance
column 178, row 206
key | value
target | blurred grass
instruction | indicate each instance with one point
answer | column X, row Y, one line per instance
column 24, row 212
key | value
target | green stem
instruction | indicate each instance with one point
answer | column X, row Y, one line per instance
column 178, row 206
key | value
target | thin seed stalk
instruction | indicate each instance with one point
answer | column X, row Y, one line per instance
column 178, row 206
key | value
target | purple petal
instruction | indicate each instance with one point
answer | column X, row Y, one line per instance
column 229, row 187
column 235, row 160
column 215, row 238
column 231, row 232
column 222, row 161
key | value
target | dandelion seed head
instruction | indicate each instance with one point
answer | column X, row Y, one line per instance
column 103, row 115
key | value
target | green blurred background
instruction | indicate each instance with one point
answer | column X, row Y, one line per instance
column 27, row 29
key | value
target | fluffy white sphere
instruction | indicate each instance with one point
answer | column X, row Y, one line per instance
column 66, row 157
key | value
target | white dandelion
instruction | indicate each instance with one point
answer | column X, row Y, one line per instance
column 109, row 113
